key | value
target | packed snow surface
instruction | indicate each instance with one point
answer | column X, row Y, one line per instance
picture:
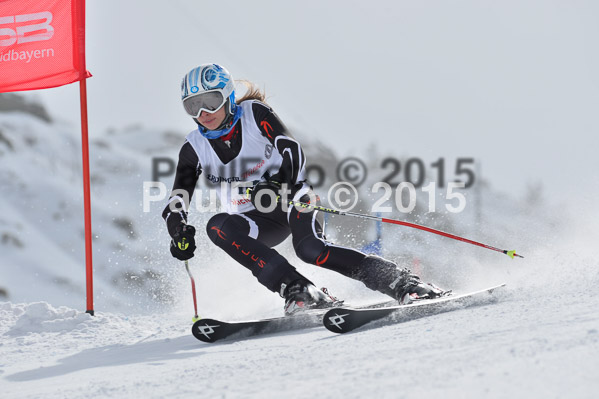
column 540, row 339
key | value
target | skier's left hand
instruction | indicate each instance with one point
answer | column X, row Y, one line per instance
column 270, row 190
column 183, row 243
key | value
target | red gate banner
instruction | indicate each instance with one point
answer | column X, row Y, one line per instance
column 42, row 43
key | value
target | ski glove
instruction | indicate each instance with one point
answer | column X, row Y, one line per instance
column 183, row 243
column 269, row 191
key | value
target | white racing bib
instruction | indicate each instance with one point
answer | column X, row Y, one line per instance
column 257, row 156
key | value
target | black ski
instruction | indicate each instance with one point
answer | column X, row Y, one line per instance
column 211, row 330
column 342, row 320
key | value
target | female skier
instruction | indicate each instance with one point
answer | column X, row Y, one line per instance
column 243, row 140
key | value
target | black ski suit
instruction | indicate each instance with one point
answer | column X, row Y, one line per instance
column 249, row 237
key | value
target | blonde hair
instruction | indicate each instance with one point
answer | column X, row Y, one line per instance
column 253, row 92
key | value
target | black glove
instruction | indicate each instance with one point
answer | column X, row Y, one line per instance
column 183, row 243
column 268, row 190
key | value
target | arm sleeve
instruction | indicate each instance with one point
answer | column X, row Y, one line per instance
column 294, row 162
column 186, row 176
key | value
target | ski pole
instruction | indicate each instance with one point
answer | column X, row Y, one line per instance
column 511, row 254
column 193, row 291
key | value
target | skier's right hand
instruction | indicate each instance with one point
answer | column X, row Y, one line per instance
column 183, row 243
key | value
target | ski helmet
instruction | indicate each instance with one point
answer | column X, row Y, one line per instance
column 207, row 88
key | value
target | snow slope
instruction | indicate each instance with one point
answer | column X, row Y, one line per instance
column 41, row 220
column 540, row 339
column 543, row 346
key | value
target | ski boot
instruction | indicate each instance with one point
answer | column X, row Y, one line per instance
column 301, row 295
column 382, row 275
column 414, row 289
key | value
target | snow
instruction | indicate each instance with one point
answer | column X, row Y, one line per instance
column 544, row 345
column 540, row 339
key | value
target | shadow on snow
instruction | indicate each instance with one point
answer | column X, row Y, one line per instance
column 115, row 355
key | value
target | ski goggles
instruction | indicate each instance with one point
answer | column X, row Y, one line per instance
column 210, row 101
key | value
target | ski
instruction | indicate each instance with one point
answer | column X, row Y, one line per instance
column 344, row 319
column 212, row 330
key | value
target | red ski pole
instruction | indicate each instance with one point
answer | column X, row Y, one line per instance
column 298, row 204
column 193, row 291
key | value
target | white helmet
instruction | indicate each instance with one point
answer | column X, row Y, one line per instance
column 207, row 88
